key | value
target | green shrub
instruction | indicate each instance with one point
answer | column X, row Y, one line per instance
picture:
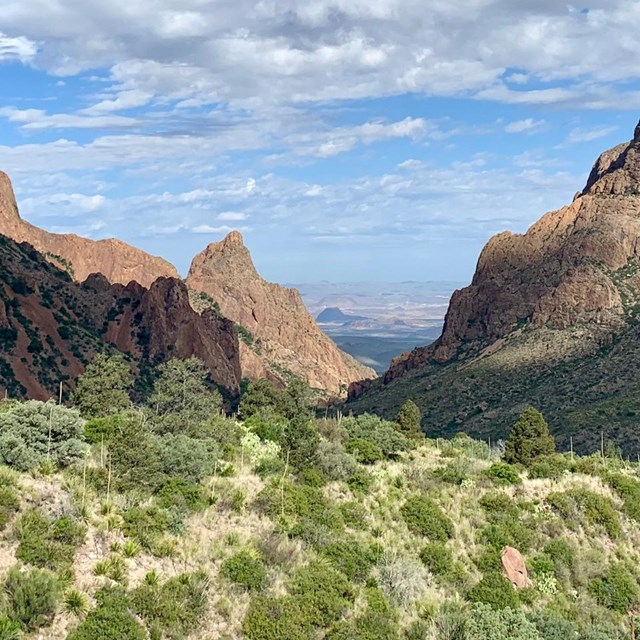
column 32, row 597
column 424, row 517
column 9, row 629
column 437, row 557
column 379, row 621
column 354, row 514
column 271, row 618
column 486, row 622
column 364, row 451
column 323, row 593
column 503, row 474
column 595, row 509
column 495, row 590
column 186, row 458
column 9, row 503
column 629, row 490
column 354, row 559
column 47, row 543
column 145, row 524
column 616, row 590
column 175, row 607
column 552, row 626
column 76, row 602
column 529, row 439
column 110, row 620
column 245, row 569
column 408, row 419
column 450, row 623
column 34, row 432
column 380, row 433
column 183, row 495
column 553, row 467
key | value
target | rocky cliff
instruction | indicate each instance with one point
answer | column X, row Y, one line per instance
column 51, row 326
column 116, row 260
column 540, row 306
column 280, row 338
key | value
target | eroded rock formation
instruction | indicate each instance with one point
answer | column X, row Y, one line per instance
column 281, row 337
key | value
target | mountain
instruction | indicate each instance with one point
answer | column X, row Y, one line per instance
column 116, row 260
column 335, row 315
column 279, row 337
column 550, row 319
column 51, row 326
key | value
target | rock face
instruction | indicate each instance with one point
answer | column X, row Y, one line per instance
column 551, row 319
column 280, row 337
column 116, row 260
column 50, row 326
column 567, row 269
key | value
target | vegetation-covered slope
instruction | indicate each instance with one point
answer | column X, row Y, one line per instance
column 171, row 520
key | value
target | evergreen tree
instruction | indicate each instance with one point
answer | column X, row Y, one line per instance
column 408, row 419
column 103, row 389
column 529, row 439
column 181, row 398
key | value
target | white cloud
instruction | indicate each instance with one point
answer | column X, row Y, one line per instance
column 528, row 125
column 578, row 135
column 33, row 119
column 232, row 215
column 209, row 229
column 18, row 48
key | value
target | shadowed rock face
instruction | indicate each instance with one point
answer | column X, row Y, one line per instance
column 51, row 326
column 577, row 265
column 286, row 340
column 116, row 260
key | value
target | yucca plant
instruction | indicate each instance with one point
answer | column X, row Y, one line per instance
column 130, row 549
column 76, row 602
column 9, row 629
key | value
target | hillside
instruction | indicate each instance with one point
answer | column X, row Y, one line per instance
column 549, row 319
column 282, row 527
column 51, row 326
column 336, row 315
column 280, row 338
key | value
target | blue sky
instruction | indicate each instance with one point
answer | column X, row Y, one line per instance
column 349, row 140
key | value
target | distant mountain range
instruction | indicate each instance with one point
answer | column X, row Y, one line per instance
column 333, row 315
column 550, row 319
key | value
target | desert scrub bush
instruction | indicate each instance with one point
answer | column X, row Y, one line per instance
column 354, row 514
column 245, row 569
column 378, row 432
column 628, row 489
column 500, row 624
column 594, row 508
column 188, row 459
column 455, row 472
column 438, row 559
column 110, row 620
column 494, row 590
column 552, row 626
column 617, row 589
column 306, row 504
column 529, row 439
column 9, row 503
column 47, row 543
column 504, row 474
column 335, row 462
column 113, row 567
column 364, row 451
column 175, row 607
column 450, row 622
column 146, row 524
column 183, row 495
column 272, row 618
column 31, row 597
column 553, row 467
column 378, row 621
column 353, row 558
column 424, row 517
column 471, row 447
column 322, row 593
column 33, row 432
column 402, row 579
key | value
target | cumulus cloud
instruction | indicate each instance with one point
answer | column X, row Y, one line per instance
column 20, row 48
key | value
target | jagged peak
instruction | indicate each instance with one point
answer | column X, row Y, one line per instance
column 617, row 170
column 8, row 204
column 233, row 238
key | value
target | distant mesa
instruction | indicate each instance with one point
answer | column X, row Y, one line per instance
column 334, row 315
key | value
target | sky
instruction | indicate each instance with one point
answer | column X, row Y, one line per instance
column 348, row 140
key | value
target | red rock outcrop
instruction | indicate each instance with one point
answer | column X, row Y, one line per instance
column 50, row 326
column 116, row 260
column 577, row 265
column 284, row 339
column 514, row 568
